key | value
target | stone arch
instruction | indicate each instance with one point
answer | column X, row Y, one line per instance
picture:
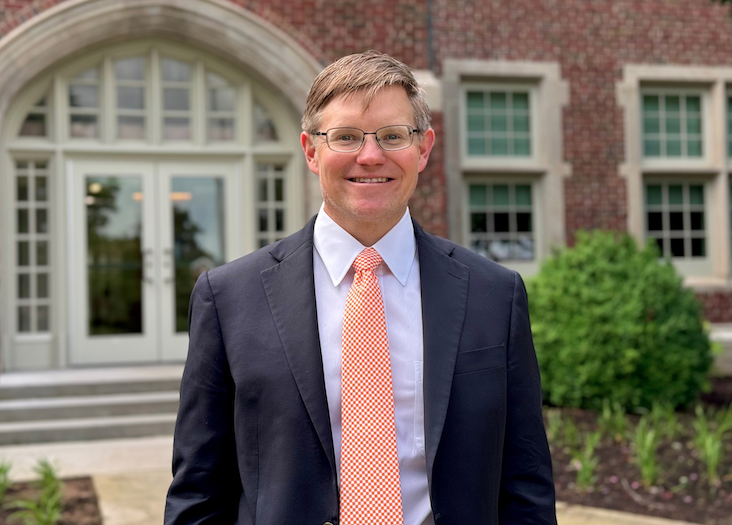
column 231, row 32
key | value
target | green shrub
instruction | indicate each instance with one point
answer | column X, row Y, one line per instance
column 614, row 322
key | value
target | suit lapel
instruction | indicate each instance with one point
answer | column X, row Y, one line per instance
column 290, row 290
column 444, row 283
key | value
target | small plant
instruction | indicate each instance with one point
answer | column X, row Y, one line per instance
column 570, row 434
column 4, row 479
column 645, row 444
column 47, row 508
column 612, row 421
column 665, row 419
column 586, row 461
column 708, row 441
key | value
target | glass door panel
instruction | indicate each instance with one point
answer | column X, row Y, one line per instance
column 114, row 255
column 199, row 235
column 113, row 314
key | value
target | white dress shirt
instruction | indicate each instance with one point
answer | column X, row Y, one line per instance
column 333, row 256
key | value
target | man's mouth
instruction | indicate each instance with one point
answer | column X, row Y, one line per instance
column 369, row 180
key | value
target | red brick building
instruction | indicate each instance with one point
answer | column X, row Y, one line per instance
column 143, row 141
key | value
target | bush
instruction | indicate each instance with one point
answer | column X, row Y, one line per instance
column 614, row 322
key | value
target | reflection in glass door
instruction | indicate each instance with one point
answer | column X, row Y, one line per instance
column 114, row 255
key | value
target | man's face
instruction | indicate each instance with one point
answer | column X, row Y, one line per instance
column 368, row 188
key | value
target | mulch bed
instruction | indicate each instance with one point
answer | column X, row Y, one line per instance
column 682, row 491
column 79, row 502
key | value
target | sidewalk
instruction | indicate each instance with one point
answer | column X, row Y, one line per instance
column 131, row 477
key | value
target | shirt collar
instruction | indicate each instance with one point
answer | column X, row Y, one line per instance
column 338, row 248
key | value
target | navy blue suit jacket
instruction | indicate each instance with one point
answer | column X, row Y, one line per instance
column 253, row 442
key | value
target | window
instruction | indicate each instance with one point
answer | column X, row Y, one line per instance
column 270, row 203
column 672, row 125
column 675, row 218
column 221, row 108
column 498, row 123
column 33, row 246
column 36, row 121
column 130, row 79
column 501, row 221
column 84, row 104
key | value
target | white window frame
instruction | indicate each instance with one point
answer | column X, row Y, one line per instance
column 711, row 169
column 544, row 169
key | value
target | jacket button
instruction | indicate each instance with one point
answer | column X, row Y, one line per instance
column 327, row 523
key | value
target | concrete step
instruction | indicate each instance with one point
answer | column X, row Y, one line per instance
column 80, row 407
column 25, row 432
column 94, row 382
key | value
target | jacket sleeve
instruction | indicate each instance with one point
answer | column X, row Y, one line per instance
column 206, row 487
column 527, row 487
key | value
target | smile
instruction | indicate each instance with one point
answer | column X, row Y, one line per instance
column 365, row 180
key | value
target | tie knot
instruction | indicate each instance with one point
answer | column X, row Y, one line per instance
column 368, row 259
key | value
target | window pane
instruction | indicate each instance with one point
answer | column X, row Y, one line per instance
column 673, row 148
column 221, row 99
column 676, row 221
column 651, row 148
column 24, row 319
column 677, row 247
column 24, row 285
column 520, row 101
column 697, row 220
column 23, row 253
column 42, row 253
column 177, row 129
column 650, row 103
column 41, row 189
column 694, row 148
column 521, row 123
column 499, row 147
column 42, row 285
column 280, row 220
column 176, row 99
column 500, row 195
column 22, row 194
column 498, row 123
column 675, row 194
column 673, row 125
column 130, row 97
column 476, row 146
column 696, row 194
column 23, row 221
column 263, row 223
column 175, row 70
column 693, row 104
column 475, row 100
column 693, row 125
column 673, row 104
column 262, row 190
column 523, row 195
column 478, row 195
column 221, row 129
column 130, row 127
column 654, row 195
column 83, row 96
column 655, row 221
column 264, row 128
column 41, row 221
column 130, row 68
column 698, row 248
column 651, row 125
column 279, row 190
column 84, row 126
column 478, row 222
column 523, row 222
column 522, row 147
column 43, row 319
column 498, row 100
column 89, row 74
column 502, row 223
column 34, row 125
column 475, row 123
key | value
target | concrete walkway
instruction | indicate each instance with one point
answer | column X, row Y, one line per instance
column 131, row 477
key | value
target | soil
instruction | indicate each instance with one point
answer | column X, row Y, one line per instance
column 682, row 491
column 79, row 502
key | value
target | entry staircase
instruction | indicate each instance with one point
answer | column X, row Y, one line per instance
column 84, row 404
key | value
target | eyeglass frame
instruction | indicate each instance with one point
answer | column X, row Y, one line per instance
column 412, row 132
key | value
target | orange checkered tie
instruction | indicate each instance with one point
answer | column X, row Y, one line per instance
column 370, row 492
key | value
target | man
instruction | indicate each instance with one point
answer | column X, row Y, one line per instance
column 361, row 371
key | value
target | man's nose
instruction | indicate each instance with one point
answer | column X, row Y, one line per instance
column 370, row 153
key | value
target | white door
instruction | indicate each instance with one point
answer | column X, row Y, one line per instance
column 142, row 232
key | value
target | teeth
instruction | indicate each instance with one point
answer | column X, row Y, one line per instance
column 363, row 179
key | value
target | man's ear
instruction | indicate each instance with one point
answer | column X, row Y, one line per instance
column 425, row 147
column 311, row 154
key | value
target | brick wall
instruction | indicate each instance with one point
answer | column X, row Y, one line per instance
column 590, row 39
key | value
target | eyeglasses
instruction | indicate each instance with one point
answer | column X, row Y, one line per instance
column 389, row 138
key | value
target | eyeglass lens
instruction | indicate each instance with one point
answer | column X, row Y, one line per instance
column 390, row 138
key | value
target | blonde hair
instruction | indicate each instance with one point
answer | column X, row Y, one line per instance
column 366, row 73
